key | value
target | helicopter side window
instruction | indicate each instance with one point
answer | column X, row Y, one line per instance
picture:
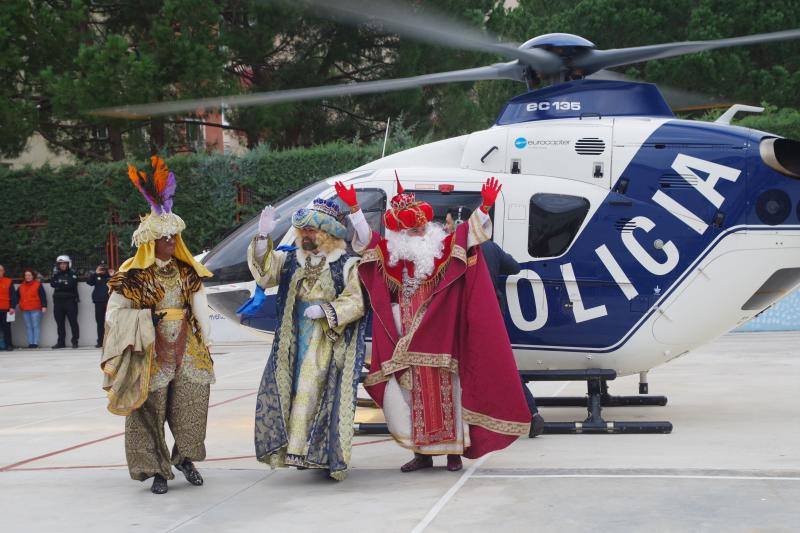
column 554, row 222
column 459, row 205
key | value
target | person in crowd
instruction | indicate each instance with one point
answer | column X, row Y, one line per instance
column 501, row 263
column 99, row 282
column 442, row 367
column 32, row 301
column 156, row 356
column 8, row 300
column 65, row 301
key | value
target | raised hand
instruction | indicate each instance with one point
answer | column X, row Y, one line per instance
column 348, row 196
column 266, row 223
column 489, row 192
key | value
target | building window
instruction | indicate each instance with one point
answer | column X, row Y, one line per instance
column 554, row 223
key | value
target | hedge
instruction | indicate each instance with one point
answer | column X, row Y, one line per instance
column 67, row 210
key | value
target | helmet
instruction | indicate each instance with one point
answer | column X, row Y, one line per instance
column 64, row 259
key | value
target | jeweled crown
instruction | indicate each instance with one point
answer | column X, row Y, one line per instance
column 403, row 200
column 328, row 207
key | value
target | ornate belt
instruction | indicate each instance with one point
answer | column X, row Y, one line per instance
column 172, row 313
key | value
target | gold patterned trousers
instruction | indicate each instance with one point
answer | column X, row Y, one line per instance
column 184, row 406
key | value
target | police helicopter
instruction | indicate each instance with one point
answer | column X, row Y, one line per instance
column 641, row 236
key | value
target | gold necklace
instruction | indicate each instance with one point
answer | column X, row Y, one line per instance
column 312, row 272
column 168, row 275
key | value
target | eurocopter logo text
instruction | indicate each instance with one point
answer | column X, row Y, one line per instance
column 522, row 142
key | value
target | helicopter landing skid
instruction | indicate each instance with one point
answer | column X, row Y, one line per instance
column 596, row 398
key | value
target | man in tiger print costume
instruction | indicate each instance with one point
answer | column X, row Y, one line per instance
column 156, row 357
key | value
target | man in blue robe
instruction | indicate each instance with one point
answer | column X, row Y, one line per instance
column 307, row 398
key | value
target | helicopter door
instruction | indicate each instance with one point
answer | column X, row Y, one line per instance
column 576, row 150
column 486, row 150
column 542, row 222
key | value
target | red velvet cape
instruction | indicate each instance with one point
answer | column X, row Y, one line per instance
column 462, row 322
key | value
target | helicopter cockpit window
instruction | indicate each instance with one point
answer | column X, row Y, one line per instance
column 228, row 261
column 554, row 221
column 458, row 205
column 373, row 204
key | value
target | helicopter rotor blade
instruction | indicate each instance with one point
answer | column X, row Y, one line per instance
column 594, row 60
column 509, row 71
column 675, row 97
column 432, row 28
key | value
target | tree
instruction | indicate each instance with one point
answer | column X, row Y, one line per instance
column 77, row 56
column 749, row 74
column 279, row 46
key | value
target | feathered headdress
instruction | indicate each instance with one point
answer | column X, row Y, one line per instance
column 158, row 188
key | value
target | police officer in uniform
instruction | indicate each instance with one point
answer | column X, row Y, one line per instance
column 65, row 300
column 99, row 281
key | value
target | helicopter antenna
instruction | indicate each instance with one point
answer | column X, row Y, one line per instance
column 385, row 137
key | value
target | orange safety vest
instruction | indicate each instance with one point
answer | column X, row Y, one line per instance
column 29, row 296
column 5, row 289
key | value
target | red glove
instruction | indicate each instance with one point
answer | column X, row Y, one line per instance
column 348, row 196
column 489, row 191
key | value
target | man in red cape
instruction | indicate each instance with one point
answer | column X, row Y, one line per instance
column 442, row 367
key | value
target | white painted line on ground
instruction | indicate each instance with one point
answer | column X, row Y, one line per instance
column 50, row 419
column 425, row 522
column 224, row 500
column 436, row 509
column 635, row 476
column 259, row 367
column 74, row 413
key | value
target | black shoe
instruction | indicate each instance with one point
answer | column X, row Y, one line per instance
column 34, row 345
column 190, row 473
column 59, row 346
column 537, row 425
column 74, row 345
column 98, row 345
column 31, row 346
column 9, row 348
column 159, row 485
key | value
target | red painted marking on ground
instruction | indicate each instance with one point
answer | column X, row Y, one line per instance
column 57, row 452
column 95, row 441
column 81, row 467
column 77, row 467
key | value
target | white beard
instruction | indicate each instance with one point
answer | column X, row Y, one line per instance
column 422, row 250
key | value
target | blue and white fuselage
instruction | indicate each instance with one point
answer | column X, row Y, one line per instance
column 682, row 229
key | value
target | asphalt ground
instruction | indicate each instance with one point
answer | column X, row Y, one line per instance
column 732, row 462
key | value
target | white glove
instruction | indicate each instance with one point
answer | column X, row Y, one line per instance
column 314, row 312
column 361, row 227
column 267, row 221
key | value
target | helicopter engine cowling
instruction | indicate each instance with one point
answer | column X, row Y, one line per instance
column 782, row 155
